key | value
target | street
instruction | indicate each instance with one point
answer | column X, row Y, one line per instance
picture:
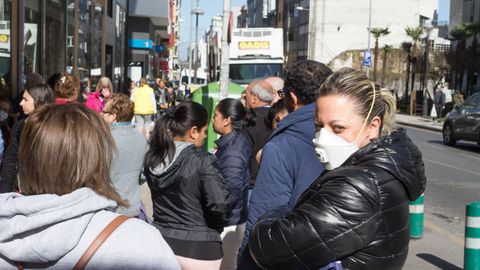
column 453, row 175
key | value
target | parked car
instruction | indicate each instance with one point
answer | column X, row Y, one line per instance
column 463, row 122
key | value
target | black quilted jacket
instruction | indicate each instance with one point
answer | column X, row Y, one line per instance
column 357, row 213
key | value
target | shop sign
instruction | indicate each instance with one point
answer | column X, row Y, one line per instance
column 253, row 45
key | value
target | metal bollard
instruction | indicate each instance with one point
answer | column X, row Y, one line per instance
column 471, row 258
column 416, row 217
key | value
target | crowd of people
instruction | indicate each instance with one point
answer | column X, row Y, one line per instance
column 309, row 172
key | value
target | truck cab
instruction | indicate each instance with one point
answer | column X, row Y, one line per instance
column 256, row 53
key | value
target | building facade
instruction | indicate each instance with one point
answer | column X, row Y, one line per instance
column 261, row 13
column 61, row 36
column 149, row 40
column 338, row 26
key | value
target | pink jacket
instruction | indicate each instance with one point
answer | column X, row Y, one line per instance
column 95, row 102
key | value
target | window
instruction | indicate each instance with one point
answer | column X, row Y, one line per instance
column 5, row 45
column 110, row 8
column 55, row 47
column 31, row 33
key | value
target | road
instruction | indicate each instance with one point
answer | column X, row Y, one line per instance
column 453, row 181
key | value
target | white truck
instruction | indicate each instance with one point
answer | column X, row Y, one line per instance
column 255, row 53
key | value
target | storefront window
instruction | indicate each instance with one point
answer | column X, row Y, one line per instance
column 120, row 48
column 5, row 46
column 84, row 54
column 31, row 34
column 70, row 34
column 96, row 42
column 55, row 48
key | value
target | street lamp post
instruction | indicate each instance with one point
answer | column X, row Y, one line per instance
column 425, row 76
column 369, row 27
column 196, row 11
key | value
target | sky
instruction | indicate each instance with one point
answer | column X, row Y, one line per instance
column 211, row 8
column 215, row 7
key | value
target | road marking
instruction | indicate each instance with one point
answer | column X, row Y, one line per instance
column 457, row 240
column 451, row 166
column 434, row 146
column 421, row 129
column 470, row 156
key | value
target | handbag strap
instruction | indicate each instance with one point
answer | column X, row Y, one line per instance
column 97, row 243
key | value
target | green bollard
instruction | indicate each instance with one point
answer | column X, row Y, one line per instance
column 471, row 258
column 416, row 218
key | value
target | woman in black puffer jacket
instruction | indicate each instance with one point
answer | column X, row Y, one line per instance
column 191, row 204
column 356, row 213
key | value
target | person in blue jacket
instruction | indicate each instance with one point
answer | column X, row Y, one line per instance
column 233, row 153
column 289, row 163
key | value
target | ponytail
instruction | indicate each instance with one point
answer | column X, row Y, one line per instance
column 161, row 143
column 176, row 122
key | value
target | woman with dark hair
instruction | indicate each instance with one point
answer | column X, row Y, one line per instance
column 66, row 201
column 233, row 154
column 191, row 204
column 33, row 99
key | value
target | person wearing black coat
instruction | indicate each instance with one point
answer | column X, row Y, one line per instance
column 233, row 153
column 34, row 97
column 356, row 213
column 190, row 200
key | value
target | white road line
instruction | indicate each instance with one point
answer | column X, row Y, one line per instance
column 421, row 129
column 434, row 146
column 470, row 156
column 451, row 166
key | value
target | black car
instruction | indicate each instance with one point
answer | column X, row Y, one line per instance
column 463, row 122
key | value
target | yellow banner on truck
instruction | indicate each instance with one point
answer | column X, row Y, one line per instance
column 253, row 45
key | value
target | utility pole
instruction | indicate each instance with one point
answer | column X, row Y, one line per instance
column 369, row 27
column 224, row 69
column 189, row 48
column 425, row 76
column 196, row 11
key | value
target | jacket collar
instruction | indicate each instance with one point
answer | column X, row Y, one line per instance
column 226, row 139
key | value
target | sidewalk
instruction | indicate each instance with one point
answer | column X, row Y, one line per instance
column 419, row 122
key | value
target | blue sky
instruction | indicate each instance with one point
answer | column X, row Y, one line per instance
column 215, row 7
column 211, row 8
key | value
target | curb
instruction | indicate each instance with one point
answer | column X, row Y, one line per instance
column 436, row 129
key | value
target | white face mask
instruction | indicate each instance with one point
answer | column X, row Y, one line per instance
column 332, row 150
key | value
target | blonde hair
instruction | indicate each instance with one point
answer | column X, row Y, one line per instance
column 104, row 82
column 356, row 85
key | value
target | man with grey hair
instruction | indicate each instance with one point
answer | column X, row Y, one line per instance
column 258, row 97
column 277, row 83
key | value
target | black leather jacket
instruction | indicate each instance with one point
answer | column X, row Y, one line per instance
column 357, row 213
column 190, row 200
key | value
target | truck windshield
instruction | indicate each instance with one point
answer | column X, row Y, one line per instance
column 246, row 73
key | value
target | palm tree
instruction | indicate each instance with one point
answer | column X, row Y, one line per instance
column 377, row 33
column 386, row 50
column 407, row 47
column 459, row 33
column 415, row 33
